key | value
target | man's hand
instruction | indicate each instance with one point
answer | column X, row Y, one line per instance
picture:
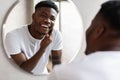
column 46, row 41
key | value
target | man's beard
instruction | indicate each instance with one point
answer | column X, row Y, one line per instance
column 40, row 33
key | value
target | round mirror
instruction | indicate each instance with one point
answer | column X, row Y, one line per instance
column 68, row 23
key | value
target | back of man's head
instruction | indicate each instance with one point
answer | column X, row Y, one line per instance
column 111, row 12
column 49, row 4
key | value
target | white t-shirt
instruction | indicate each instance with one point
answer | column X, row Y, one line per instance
column 20, row 40
column 96, row 66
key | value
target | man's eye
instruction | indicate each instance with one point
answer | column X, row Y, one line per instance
column 53, row 19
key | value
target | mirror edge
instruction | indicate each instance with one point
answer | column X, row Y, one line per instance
column 4, row 20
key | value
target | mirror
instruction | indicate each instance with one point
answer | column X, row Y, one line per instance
column 68, row 22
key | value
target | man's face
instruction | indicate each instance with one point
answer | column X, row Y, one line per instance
column 44, row 19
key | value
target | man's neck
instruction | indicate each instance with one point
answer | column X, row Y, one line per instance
column 31, row 29
column 113, row 46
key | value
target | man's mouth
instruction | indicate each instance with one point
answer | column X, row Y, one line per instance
column 45, row 26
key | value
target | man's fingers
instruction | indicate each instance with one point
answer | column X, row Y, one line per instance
column 47, row 35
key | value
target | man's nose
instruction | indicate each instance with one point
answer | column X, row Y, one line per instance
column 47, row 20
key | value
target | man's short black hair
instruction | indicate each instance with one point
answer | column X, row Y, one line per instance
column 50, row 4
column 111, row 12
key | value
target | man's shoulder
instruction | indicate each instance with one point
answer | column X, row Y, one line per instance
column 103, row 54
column 101, row 58
column 16, row 34
column 56, row 31
column 17, row 30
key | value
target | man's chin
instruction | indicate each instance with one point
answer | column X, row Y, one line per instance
column 42, row 33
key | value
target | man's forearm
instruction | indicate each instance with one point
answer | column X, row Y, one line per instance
column 32, row 62
column 56, row 57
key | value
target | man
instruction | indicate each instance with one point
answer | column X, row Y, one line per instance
column 31, row 45
column 103, row 49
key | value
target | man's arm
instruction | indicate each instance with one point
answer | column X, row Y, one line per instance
column 29, row 64
column 56, row 57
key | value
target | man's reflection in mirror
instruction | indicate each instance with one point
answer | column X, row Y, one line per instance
column 32, row 45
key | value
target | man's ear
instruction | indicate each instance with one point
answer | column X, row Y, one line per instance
column 100, row 31
column 33, row 16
